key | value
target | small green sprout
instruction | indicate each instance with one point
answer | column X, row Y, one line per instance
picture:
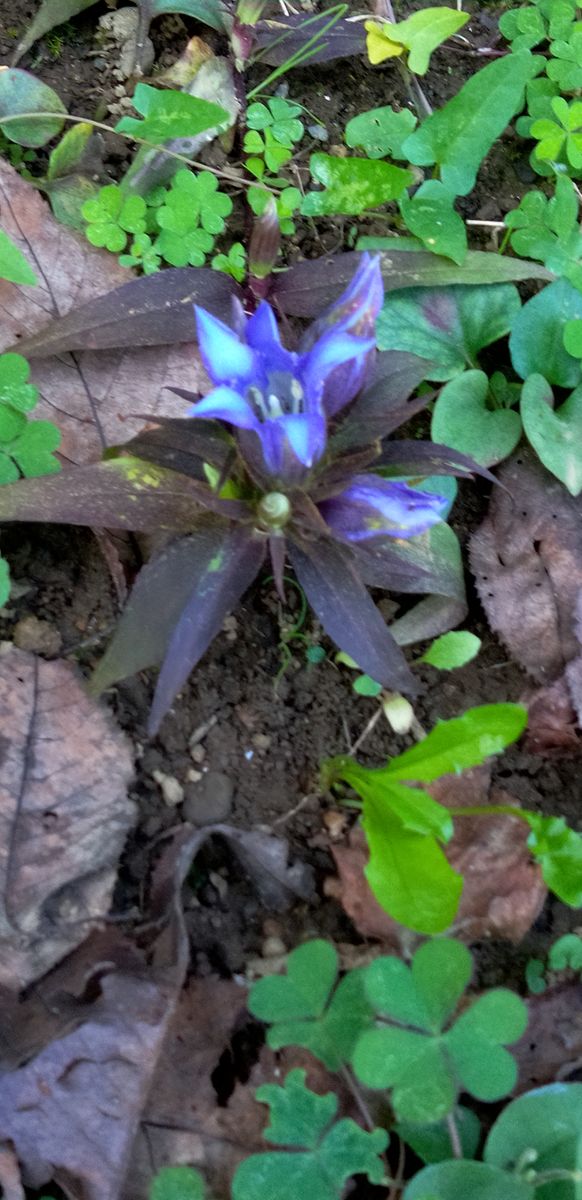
column 142, row 254
column 274, row 129
column 233, row 263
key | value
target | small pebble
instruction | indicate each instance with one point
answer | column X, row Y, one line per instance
column 193, row 776
column 261, row 741
column 197, row 754
column 170, row 787
column 210, row 801
column 39, row 637
column 319, row 132
column 273, row 947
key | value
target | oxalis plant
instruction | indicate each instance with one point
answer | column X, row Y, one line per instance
column 274, row 461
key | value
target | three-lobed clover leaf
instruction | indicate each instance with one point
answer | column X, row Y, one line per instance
column 142, row 253
column 565, row 66
column 15, row 388
column 417, row 1050
column 325, row 1153
column 233, row 263
column 191, row 216
column 272, row 131
column 561, row 137
column 306, row 1008
column 548, row 230
column 111, row 215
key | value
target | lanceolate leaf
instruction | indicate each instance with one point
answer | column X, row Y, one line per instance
column 411, row 458
column 180, row 445
column 151, row 311
column 50, row 13
column 341, row 41
column 220, row 583
column 339, row 598
column 123, row 493
column 382, row 407
column 463, row 742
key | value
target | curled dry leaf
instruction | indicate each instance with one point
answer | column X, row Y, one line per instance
column 64, row 814
column 503, row 891
column 88, row 394
column 527, row 562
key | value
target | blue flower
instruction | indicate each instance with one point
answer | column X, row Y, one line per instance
column 285, row 398
column 371, row 506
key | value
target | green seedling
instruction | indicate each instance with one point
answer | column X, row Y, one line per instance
column 233, row 263
column 287, row 204
column 560, row 140
column 111, row 216
column 321, row 1153
column 564, row 955
column 274, row 129
column 142, row 255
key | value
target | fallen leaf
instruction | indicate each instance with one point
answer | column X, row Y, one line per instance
column 87, row 394
column 64, row 813
column 551, row 725
column 503, row 891
column 551, row 1047
column 527, row 562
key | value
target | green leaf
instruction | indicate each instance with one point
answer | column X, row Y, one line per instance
column 169, row 115
column 381, row 131
column 331, row 1027
column 4, row 582
column 50, row 13
column 452, row 650
column 458, row 136
column 33, row 450
column 211, row 12
column 475, row 1043
column 566, row 953
column 558, row 850
column 69, row 153
column 463, row 420
column 459, row 744
column 21, row 92
column 573, row 337
column 332, row 1154
column 364, row 686
column 426, row 994
column 14, row 386
column 352, row 185
column 461, row 1180
column 422, row 32
column 412, row 1066
column 177, row 1183
column 432, row 1143
column 536, row 342
column 13, row 265
column 549, row 1122
column 449, row 326
column 556, row 435
column 430, row 215
column 406, row 264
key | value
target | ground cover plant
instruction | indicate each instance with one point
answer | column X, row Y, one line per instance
column 290, row 492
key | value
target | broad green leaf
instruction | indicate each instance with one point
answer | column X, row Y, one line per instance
column 430, row 215
column 13, row 265
column 432, row 1143
column 50, row 13
column 412, row 1066
column 21, row 92
column 458, row 136
column 381, row 131
column 409, row 874
column 352, row 185
column 420, row 33
column 177, row 1183
column 67, row 155
column 456, row 745
column 555, row 434
column 548, row 1121
column 558, row 850
column 464, row 1180
column 452, row 650
column 332, row 1153
column 536, row 343
column 213, row 13
column 463, row 419
column 449, row 326
column 169, row 115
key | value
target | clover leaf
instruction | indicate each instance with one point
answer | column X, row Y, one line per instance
column 233, row 263
column 324, row 1156
column 142, row 253
column 562, row 136
column 111, row 215
column 548, row 230
column 565, row 68
column 418, row 1052
column 272, row 131
column 177, row 1183
column 14, row 386
column 306, row 1008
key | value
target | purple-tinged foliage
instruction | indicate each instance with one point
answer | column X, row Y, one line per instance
column 276, row 459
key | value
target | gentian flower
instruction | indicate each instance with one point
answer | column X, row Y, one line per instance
column 285, row 397
column 371, row 506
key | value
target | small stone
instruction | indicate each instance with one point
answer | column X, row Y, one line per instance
column 210, row 801
column 319, row 132
column 39, row 637
column 170, row 787
column 193, row 776
column 335, row 822
column 197, row 754
column 261, row 741
column 273, row 947
column 219, row 882
column 230, row 628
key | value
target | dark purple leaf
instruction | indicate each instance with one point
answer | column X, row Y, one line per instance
column 327, row 574
column 180, row 445
column 152, row 311
column 416, row 459
column 424, row 565
column 123, row 493
column 159, row 595
column 221, row 581
column 277, row 554
column 382, row 406
column 308, row 287
column 336, row 475
column 291, row 33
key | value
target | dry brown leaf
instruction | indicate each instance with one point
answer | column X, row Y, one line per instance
column 89, row 393
column 551, row 1047
column 527, row 562
column 552, row 722
column 64, row 813
column 503, row 891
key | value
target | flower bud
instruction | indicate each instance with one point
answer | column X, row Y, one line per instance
column 398, row 711
column 265, row 242
column 274, row 510
column 247, row 13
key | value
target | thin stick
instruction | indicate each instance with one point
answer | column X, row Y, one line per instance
column 454, row 1135
column 367, row 731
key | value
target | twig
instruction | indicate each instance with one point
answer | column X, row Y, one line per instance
column 366, row 732
column 454, row 1135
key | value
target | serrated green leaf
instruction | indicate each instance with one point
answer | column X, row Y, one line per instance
column 431, row 216
column 463, row 420
column 381, row 131
column 352, row 185
column 452, row 650
column 298, row 1117
column 13, row 265
column 555, row 434
column 169, row 115
column 21, row 92
column 456, row 745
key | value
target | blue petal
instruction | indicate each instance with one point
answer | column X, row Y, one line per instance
column 263, row 335
column 225, row 357
column 356, row 309
column 331, row 351
column 371, row 507
column 224, row 404
column 306, row 435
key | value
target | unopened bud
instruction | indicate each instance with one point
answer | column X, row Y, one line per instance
column 242, row 37
column 248, row 12
column 265, row 242
column 274, row 510
column 398, row 711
